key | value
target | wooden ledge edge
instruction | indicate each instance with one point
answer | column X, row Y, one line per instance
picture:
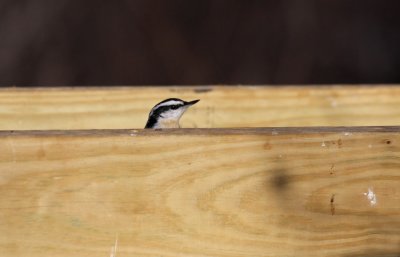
column 196, row 88
column 203, row 131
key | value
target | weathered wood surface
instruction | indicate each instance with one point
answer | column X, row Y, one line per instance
column 254, row 192
column 124, row 107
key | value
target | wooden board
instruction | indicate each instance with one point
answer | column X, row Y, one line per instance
column 220, row 106
column 248, row 192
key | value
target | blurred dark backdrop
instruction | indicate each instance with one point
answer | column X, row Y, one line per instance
column 140, row 42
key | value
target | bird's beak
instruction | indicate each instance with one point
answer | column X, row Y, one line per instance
column 191, row 102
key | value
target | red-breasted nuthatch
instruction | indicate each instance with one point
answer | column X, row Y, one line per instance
column 167, row 113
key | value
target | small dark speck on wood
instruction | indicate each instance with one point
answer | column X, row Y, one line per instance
column 332, row 166
column 333, row 204
column 340, row 143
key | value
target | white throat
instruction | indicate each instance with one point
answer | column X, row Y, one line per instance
column 170, row 119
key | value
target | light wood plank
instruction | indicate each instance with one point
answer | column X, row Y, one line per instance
column 248, row 192
column 220, row 106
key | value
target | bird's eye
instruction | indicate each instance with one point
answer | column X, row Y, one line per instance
column 174, row 107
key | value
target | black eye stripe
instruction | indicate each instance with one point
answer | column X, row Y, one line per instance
column 175, row 106
column 161, row 109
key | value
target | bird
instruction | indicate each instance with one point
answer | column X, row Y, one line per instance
column 166, row 114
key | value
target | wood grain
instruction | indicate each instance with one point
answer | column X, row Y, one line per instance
column 246, row 192
column 220, row 106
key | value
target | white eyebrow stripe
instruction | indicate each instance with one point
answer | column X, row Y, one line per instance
column 171, row 102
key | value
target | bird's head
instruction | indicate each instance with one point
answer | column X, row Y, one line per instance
column 167, row 112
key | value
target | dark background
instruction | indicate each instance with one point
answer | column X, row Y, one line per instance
column 150, row 42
